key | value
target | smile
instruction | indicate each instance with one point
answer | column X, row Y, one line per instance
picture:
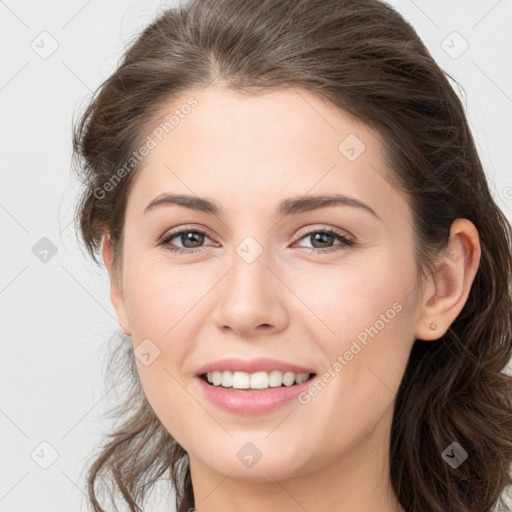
column 253, row 401
column 258, row 380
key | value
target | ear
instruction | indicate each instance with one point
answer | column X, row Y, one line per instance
column 448, row 289
column 116, row 290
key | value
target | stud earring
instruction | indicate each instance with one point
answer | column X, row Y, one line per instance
column 433, row 325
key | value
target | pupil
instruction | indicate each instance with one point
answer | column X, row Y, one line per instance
column 189, row 237
column 316, row 235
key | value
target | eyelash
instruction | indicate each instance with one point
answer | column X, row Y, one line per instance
column 346, row 242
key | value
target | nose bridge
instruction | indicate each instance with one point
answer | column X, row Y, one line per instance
column 249, row 274
column 249, row 295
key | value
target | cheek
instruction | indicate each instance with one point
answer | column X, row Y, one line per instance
column 159, row 296
column 348, row 299
column 365, row 314
column 159, row 306
column 367, row 354
column 169, row 400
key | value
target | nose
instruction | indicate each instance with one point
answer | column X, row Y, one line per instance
column 251, row 299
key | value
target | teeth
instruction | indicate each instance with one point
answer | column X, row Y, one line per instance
column 258, row 380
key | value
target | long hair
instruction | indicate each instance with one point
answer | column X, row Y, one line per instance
column 364, row 58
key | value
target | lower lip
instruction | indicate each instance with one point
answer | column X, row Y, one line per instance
column 252, row 402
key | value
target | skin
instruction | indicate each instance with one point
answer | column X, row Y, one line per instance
column 248, row 154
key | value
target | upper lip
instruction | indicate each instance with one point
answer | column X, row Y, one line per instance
column 261, row 364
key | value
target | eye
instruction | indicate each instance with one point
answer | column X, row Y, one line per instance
column 324, row 237
column 192, row 240
column 189, row 237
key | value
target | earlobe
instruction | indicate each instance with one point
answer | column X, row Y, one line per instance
column 116, row 291
column 449, row 288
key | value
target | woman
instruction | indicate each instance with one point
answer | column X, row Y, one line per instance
column 362, row 371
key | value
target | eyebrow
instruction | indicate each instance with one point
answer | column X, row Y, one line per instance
column 290, row 206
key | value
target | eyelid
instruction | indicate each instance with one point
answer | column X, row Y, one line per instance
column 319, row 227
column 184, row 227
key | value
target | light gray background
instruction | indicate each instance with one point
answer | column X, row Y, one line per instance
column 57, row 315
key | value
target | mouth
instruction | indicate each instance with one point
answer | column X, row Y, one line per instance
column 256, row 393
column 256, row 382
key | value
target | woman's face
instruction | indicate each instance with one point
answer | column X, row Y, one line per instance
column 258, row 278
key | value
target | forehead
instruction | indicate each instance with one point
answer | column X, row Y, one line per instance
column 254, row 149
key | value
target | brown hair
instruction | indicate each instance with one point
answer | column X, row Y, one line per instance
column 363, row 57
